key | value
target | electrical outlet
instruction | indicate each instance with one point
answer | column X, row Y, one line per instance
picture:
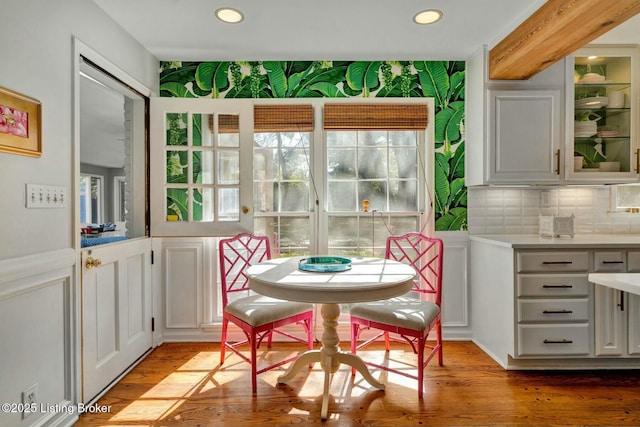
column 46, row 196
column 545, row 199
column 29, row 401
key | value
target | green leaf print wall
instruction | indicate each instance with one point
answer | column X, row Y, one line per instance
column 441, row 80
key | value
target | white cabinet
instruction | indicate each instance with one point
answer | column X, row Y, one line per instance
column 617, row 313
column 524, row 136
column 601, row 115
column 514, row 129
column 535, row 307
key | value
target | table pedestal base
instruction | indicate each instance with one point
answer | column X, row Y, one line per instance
column 330, row 357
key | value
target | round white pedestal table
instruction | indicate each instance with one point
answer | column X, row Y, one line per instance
column 369, row 279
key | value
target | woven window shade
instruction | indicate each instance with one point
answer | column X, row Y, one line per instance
column 283, row 118
column 375, row 116
column 227, row 123
column 270, row 118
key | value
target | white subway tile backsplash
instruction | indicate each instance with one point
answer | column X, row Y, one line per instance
column 517, row 210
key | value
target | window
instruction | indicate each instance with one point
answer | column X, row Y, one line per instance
column 283, row 189
column 91, row 199
column 625, row 198
column 312, row 181
column 375, row 168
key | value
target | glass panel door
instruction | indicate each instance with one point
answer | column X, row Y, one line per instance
column 199, row 147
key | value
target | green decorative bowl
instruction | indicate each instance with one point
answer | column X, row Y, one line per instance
column 324, row 264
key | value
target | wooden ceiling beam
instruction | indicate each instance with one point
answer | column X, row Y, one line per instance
column 556, row 30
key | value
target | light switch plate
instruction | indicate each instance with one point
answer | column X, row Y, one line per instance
column 46, row 196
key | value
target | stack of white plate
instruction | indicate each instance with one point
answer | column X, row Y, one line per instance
column 592, row 102
column 592, row 78
column 585, row 129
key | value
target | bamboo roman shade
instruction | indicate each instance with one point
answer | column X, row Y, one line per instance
column 270, row 118
column 375, row 116
column 283, row 118
column 227, row 123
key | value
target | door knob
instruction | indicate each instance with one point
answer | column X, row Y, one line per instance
column 92, row 262
column 245, row 210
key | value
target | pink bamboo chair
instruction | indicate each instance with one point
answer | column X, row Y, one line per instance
column 412, row 316
column 256, row 315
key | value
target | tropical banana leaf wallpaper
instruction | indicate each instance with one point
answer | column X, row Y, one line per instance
column 442, row 80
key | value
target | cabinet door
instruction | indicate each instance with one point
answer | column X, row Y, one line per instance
column 633, row 316
column 525, row 136
column 601, row 96
column 609, row 322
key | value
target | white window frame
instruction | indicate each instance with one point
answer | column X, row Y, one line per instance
column 88, row 207
column 615, row 207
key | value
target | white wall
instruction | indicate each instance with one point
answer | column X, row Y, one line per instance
column 38, row 293
column 37, row 61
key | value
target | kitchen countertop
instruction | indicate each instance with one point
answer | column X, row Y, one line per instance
column 535, row 241
column 629, row 282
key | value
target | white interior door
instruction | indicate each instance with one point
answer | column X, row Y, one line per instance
column 116, row 311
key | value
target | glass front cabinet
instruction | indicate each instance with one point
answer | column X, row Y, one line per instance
column 602, row 115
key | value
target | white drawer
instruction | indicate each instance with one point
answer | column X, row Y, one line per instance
column 553, row 310
column 552, row 261
column 553, row 340
column 611, row 261
column 553, row 285
column 633, row 261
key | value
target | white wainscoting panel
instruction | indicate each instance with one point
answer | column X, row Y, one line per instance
column 38, row 319
column 456, row 316
column 183, row 265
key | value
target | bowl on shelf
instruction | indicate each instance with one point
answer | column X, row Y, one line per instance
column 592, row 78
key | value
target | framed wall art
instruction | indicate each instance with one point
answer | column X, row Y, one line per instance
column 20, row 124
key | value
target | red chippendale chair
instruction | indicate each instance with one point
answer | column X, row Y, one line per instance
column 258, row 316
column 410, row 317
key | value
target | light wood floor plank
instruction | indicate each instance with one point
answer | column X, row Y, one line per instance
column 183, row 384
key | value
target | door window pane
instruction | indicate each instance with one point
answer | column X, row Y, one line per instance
column 177, row 204
column 176, row 129
column 228, row 204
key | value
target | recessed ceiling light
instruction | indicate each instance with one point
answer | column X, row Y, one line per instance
column 429, row 16
column 231, row 16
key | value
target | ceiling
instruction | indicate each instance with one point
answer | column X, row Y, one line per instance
column 187, row 30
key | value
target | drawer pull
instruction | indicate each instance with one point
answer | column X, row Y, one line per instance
column 557, row 286
column 557, row 311
column 612, row 262
column 563, row 341
column 556, row 262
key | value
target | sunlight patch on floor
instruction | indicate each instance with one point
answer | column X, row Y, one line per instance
column 148, row 410
column 182, row 384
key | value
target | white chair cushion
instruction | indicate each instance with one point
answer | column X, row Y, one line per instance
column 402, row 312
column 257, row 310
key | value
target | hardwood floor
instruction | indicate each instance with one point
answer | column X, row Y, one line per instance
column 183, row 384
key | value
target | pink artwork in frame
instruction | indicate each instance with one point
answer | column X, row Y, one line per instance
column 20, row 118
column 14, row 121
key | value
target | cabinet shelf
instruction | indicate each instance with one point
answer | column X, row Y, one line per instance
column 616, row 85
column 604, row 138
column 605, row 109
